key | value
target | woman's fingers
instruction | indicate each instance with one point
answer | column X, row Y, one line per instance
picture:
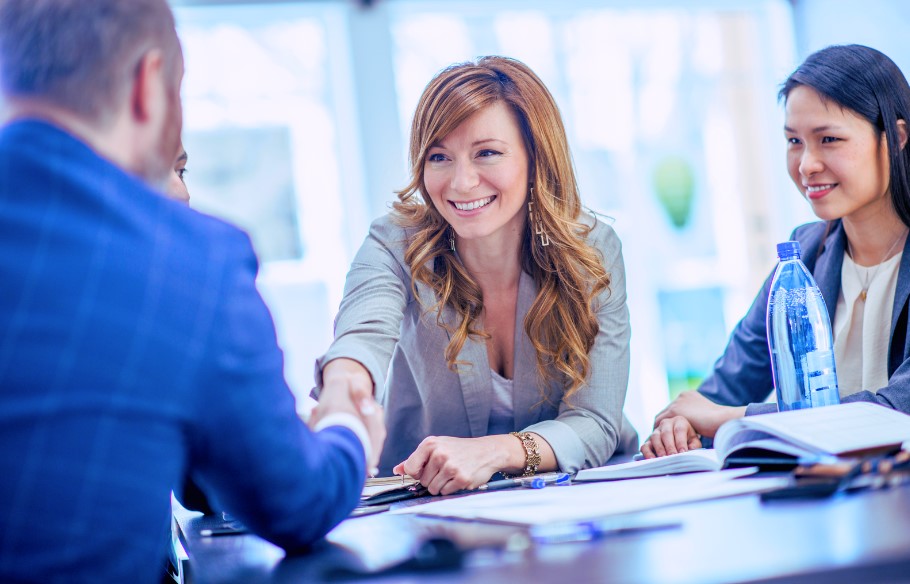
column 671, row 436
column 646, row 450
column 682, row 430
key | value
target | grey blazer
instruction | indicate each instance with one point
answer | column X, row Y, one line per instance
column 383, row 326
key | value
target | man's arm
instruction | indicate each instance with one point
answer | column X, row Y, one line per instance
column 249, row 448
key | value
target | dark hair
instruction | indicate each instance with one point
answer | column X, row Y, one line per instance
column 79, row 55
column 867, row 82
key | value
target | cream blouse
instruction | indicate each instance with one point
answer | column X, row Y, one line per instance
column 862, row 328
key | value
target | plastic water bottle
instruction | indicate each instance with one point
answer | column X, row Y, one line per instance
column 799, row 336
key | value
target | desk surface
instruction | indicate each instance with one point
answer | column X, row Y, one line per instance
column 859, row 537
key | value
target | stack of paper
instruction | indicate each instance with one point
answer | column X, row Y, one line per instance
column 596, row 500
column 375, row 486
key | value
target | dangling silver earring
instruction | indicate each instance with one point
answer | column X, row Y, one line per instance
column 538, row 224
column 452, row 239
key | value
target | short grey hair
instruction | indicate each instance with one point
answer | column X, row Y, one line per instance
column 80, row 55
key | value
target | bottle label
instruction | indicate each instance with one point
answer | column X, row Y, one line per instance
column 820, row 370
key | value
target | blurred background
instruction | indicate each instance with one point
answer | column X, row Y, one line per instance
column 297, row 116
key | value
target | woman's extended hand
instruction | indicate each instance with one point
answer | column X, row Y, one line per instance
column 346, row 375
column 343, row 381
column 348, row 387
column 445, row 465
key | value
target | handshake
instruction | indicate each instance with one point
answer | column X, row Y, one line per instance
column 347, row 388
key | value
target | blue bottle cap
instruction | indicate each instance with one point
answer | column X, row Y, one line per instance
column 788, row 249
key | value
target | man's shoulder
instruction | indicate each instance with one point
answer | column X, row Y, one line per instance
column 201, row 225
column 202, row 246
column 55, row 178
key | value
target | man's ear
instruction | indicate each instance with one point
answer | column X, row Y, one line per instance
column 148, row 90
column 902, row 132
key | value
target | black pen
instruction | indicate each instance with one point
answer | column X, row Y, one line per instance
column 495, row 486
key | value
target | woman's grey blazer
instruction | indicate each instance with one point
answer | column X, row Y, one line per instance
column 383, row 326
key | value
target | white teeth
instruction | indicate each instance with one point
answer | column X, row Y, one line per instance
column 473, row 205
column 817, row 188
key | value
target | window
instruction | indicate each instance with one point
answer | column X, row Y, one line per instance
column 297, row 116
column 671, row 116
column 264, row 96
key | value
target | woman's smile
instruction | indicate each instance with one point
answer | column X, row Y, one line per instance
column 816, row 192
column 470, row 208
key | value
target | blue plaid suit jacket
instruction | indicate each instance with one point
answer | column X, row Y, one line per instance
column 133, row 347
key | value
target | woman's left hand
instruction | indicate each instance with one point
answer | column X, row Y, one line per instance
column 704, row 415
column 445, row 465
column 671, row 436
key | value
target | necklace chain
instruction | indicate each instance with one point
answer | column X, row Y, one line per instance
column 870, row 274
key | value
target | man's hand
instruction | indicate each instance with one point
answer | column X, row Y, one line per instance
column 445, row 465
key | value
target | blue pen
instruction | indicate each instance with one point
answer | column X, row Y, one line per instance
column 534, row 482
column 541, row 481
column 591, row 530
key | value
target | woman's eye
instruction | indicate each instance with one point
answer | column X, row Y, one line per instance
column 829, row 139
column 181, row 172
column 486, row 153
column 435, row 158
column 793, row 141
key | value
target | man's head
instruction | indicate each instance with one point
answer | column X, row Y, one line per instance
column 112, row 68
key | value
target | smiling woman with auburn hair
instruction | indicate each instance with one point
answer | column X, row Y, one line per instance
column 488, row 310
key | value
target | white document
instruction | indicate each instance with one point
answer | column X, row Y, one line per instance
column 692, row 461
column 582, row 502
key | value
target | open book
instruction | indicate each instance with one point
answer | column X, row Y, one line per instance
column 778, row 440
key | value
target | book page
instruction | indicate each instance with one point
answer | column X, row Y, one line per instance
column 827, row 430
column 691, row 461
column 774, row 445
column 734, row 433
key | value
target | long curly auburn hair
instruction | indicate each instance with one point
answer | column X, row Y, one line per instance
column 569, row 273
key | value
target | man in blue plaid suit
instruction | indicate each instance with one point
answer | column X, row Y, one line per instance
column 134, row 347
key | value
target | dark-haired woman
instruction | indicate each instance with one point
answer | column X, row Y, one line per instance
column 846, row 128
column 499, row 302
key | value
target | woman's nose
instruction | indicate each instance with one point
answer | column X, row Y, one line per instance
column 809, row 163
column 464, row 177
